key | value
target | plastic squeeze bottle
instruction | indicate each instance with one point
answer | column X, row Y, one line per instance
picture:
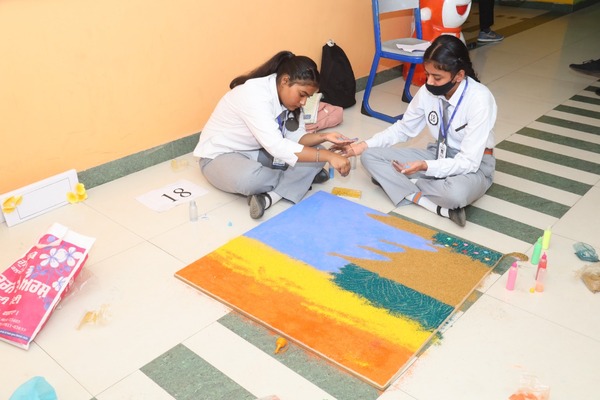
column 193, row 211
column 512, row 276
column 541, row 265
column 541, row 274
column 537, row 250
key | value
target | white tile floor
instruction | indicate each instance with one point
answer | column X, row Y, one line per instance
column 504, row 335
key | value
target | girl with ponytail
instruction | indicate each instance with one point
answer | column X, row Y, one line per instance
column 255, row 142
column 457, row 167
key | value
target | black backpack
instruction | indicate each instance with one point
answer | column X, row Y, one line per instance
column 338, row 84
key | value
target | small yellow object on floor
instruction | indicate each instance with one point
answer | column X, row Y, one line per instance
column 79, row 195
column 281, row 345
column 10, row 204
column 339, row 191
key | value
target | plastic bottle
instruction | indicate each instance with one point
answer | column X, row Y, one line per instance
column 512, row 276
column 193, row 211
column 546, row 239
column 539, row 281
column 541, row 265
column 537, row 250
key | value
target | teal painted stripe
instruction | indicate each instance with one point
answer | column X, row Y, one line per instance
column 504, row 225
column 534, row 175
column 577, row 126
column 527, row 200
column 393, row 296
column 474, row 251
column 560, row 139
column 186, row 376
column 578, row 111
column 585, row 99
column 549, row 156
column 320, row 372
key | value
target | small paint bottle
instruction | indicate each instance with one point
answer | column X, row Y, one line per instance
column 541, row 265
column 193, row 211
column 512, row 276
column 546, row 239
column 537, row 250
column 539, row 281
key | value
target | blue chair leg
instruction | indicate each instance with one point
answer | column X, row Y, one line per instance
column 366, row 108
column 406, row 96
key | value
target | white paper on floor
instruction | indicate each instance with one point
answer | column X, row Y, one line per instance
column 167, row 197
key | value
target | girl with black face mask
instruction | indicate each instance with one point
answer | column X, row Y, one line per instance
column 457, row 167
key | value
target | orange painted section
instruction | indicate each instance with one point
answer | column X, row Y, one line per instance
column 375, row 358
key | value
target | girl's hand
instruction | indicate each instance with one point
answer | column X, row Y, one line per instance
column 340, row 163
column 350, row 150
column 337, row 138
column 410, row 168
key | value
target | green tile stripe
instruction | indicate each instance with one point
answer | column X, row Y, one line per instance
column 187, row 376
column 577, row 126
column 321, row 373
column 504, row 225
column 534, row 175
column 116, row 169
column 585, row 99
column 592, row 88
column 560, row 139
column 549, row 156
column 578, row 111
column 527, row 200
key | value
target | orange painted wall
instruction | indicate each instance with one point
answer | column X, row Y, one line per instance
column 85, row 82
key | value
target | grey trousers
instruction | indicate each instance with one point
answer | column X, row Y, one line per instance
column 240, row 173
column 450, row 192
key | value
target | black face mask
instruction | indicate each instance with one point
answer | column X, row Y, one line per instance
column 440, row 90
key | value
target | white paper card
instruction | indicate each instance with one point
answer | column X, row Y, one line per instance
column 41, row 197
column 413, row 47
column 169, row 196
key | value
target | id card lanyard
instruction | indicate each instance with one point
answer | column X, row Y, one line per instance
column 441, row 151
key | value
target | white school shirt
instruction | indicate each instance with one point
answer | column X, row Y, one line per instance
column 245, row 120
column 476, row 114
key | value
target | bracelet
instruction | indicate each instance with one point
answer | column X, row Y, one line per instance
column 317, row 155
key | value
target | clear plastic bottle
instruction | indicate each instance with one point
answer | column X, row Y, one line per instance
column 193, row 211
column 539, row 282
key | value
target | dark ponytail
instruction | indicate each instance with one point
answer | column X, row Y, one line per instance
column 300, row 69
column 449, row 53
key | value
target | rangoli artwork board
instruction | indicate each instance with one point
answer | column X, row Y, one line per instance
column 364, row 289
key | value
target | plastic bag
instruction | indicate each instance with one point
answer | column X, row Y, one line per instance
column 590, row 275
column 32, row 286
column 328, row 116
column 530, row 388
column 585, row 252
column 37, row 388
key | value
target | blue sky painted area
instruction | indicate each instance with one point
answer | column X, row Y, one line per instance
column 323, row 224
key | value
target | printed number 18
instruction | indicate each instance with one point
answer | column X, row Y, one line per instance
column 180, row 191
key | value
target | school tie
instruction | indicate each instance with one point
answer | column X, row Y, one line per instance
column 445, row 116
column 441, row 139
column 281, row 120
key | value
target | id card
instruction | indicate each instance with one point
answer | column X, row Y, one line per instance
column 279, row 164
column 441, row 150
